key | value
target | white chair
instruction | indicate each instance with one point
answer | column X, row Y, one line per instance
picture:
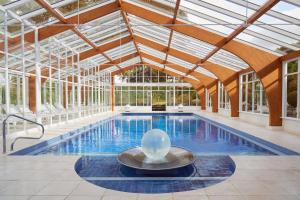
column 60, row 109
column 127, row 108
column 27, row 112
column 180, row 108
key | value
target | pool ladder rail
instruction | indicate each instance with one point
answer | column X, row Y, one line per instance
column 21, row 137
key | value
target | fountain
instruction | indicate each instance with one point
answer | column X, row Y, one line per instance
column 156, row 153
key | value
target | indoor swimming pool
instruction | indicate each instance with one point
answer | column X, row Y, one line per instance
column 186, row 130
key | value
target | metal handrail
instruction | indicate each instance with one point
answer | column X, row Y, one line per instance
column 21, row 137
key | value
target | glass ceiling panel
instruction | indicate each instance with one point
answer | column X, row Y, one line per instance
column 164, row 6
column 228, row 59
column 191, row 45
column 110, row 69
column 121, row 50
column 273, row 31
column 130, row 62
column 205, row 72
column 78, row 5
column 83, row 48
column 109, row 20
column 201, row 49
column 41, row 18
column 152, row 52
column 188, row 65
column 180, row 62
column 112, row 38
column 196, row 13
column 25, row 8
column 153, row 63
column 149, row 30
column 6, row 2
column 99, row 59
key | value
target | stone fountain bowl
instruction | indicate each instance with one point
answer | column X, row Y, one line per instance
column 176, row 158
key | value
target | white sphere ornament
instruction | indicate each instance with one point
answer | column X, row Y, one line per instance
column 156, row 144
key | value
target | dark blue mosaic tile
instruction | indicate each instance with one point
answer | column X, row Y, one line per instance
column 106, row 172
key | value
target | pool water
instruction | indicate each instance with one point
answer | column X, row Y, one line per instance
column 186, row 130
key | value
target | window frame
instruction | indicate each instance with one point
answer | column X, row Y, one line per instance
column 284, row 89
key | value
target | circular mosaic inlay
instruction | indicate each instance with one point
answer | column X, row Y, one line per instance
column 105, row 171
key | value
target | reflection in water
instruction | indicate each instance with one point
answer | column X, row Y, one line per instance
column 125, row 131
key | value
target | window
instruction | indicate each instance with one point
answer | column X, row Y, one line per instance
column 252, row 96
column 208, row 99
column 224, row 101
column 152, row 86
column 291, row 89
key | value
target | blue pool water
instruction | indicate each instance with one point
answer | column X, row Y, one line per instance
column 124, row 131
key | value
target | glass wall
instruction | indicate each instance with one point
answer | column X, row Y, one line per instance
column 144, row 86
column 224, row 101
column 291, row 89
column 41, row 79
column 252, row 95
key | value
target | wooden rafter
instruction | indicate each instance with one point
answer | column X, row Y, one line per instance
column 125, row 17
column 58, row 27
column 218, row 70
column 257, row 58
column 171, row 32
column 263, row 9
column 61, row 18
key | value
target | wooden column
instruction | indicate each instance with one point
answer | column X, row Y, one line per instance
column 232, row 88
column 271, row 78
column 213, row 92
column 32, row 93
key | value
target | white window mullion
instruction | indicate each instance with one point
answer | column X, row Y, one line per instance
column 298, row 90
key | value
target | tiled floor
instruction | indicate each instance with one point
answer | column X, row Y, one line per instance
column 54, row 178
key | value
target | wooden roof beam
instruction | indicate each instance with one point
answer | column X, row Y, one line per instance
column 291, row 55
column 263, row 9
column 256, row 58
column 171, row 32
column 125, row 17
column 61, row 18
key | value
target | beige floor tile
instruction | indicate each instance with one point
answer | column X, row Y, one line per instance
column 23, row 187
column 83, row 197
column 155, row 196
column 223, row 188
column 273, row 197
column 59, row 188
column 119, row 197
column 190, row 197
column 14, row 197
column 252, row 187
column 47, row 198
column 191, row 192
column 226, row 197
column 118, row 193
column 86, row 188
column 285, row 187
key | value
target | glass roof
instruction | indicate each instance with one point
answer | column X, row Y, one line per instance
column 130, row 62
column 149, row 30
column 121, row 50
column 277, row 31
